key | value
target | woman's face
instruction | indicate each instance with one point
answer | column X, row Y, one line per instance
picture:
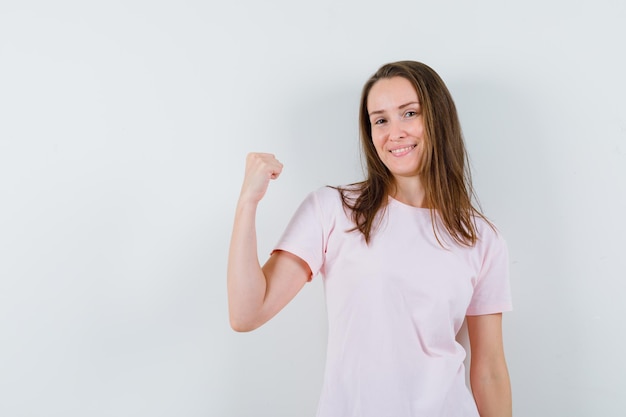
column 397, row 126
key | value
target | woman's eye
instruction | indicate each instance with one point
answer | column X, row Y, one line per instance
column 410, row 113
column 379, row 121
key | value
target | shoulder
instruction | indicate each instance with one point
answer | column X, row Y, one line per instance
column 332, row 202
column 485, row 227
column 327, row 192
column 323, row 196
column 324, row 200
column 490, row 239
column 333, row 195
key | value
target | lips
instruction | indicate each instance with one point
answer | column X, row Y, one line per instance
column 400, row 151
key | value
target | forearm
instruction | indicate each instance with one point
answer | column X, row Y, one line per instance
column 245, row 278
column 492, row 393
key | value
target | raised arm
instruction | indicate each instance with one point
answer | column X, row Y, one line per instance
column 489, row 375
column 256, row 294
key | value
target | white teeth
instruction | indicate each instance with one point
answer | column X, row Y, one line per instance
column 408, row 148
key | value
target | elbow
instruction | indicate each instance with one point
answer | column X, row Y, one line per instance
column 245, row 318
column 492, row 388
column 497, row 376
column 242, row 326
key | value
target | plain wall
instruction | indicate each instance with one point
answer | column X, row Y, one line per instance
column 124, row 127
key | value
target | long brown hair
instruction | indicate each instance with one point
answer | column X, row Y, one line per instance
column 444, row 168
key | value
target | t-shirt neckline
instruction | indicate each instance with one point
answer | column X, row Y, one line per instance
column 408, row 206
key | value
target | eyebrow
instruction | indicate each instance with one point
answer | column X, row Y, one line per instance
column 399, row 107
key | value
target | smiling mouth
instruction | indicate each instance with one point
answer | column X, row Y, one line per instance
column 405, row 149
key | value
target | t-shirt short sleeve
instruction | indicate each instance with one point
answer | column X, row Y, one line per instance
column 492, row 290
column 305, row 235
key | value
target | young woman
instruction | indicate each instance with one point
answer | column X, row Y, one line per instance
column 405, row 257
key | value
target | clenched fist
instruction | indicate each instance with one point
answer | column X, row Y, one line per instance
column 260, row 169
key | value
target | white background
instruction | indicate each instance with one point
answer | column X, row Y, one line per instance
column 124, row 127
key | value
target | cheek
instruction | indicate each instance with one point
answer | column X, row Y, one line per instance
column 378, row 144
column 378, row 138
column 418, row 129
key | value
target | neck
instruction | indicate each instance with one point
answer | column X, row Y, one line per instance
column 409, row 191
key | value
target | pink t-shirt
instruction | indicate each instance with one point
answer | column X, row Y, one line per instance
column 395, row 306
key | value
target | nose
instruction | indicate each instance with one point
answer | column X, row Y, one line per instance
column 396, row 130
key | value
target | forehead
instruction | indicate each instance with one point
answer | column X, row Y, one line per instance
column 389, row 93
